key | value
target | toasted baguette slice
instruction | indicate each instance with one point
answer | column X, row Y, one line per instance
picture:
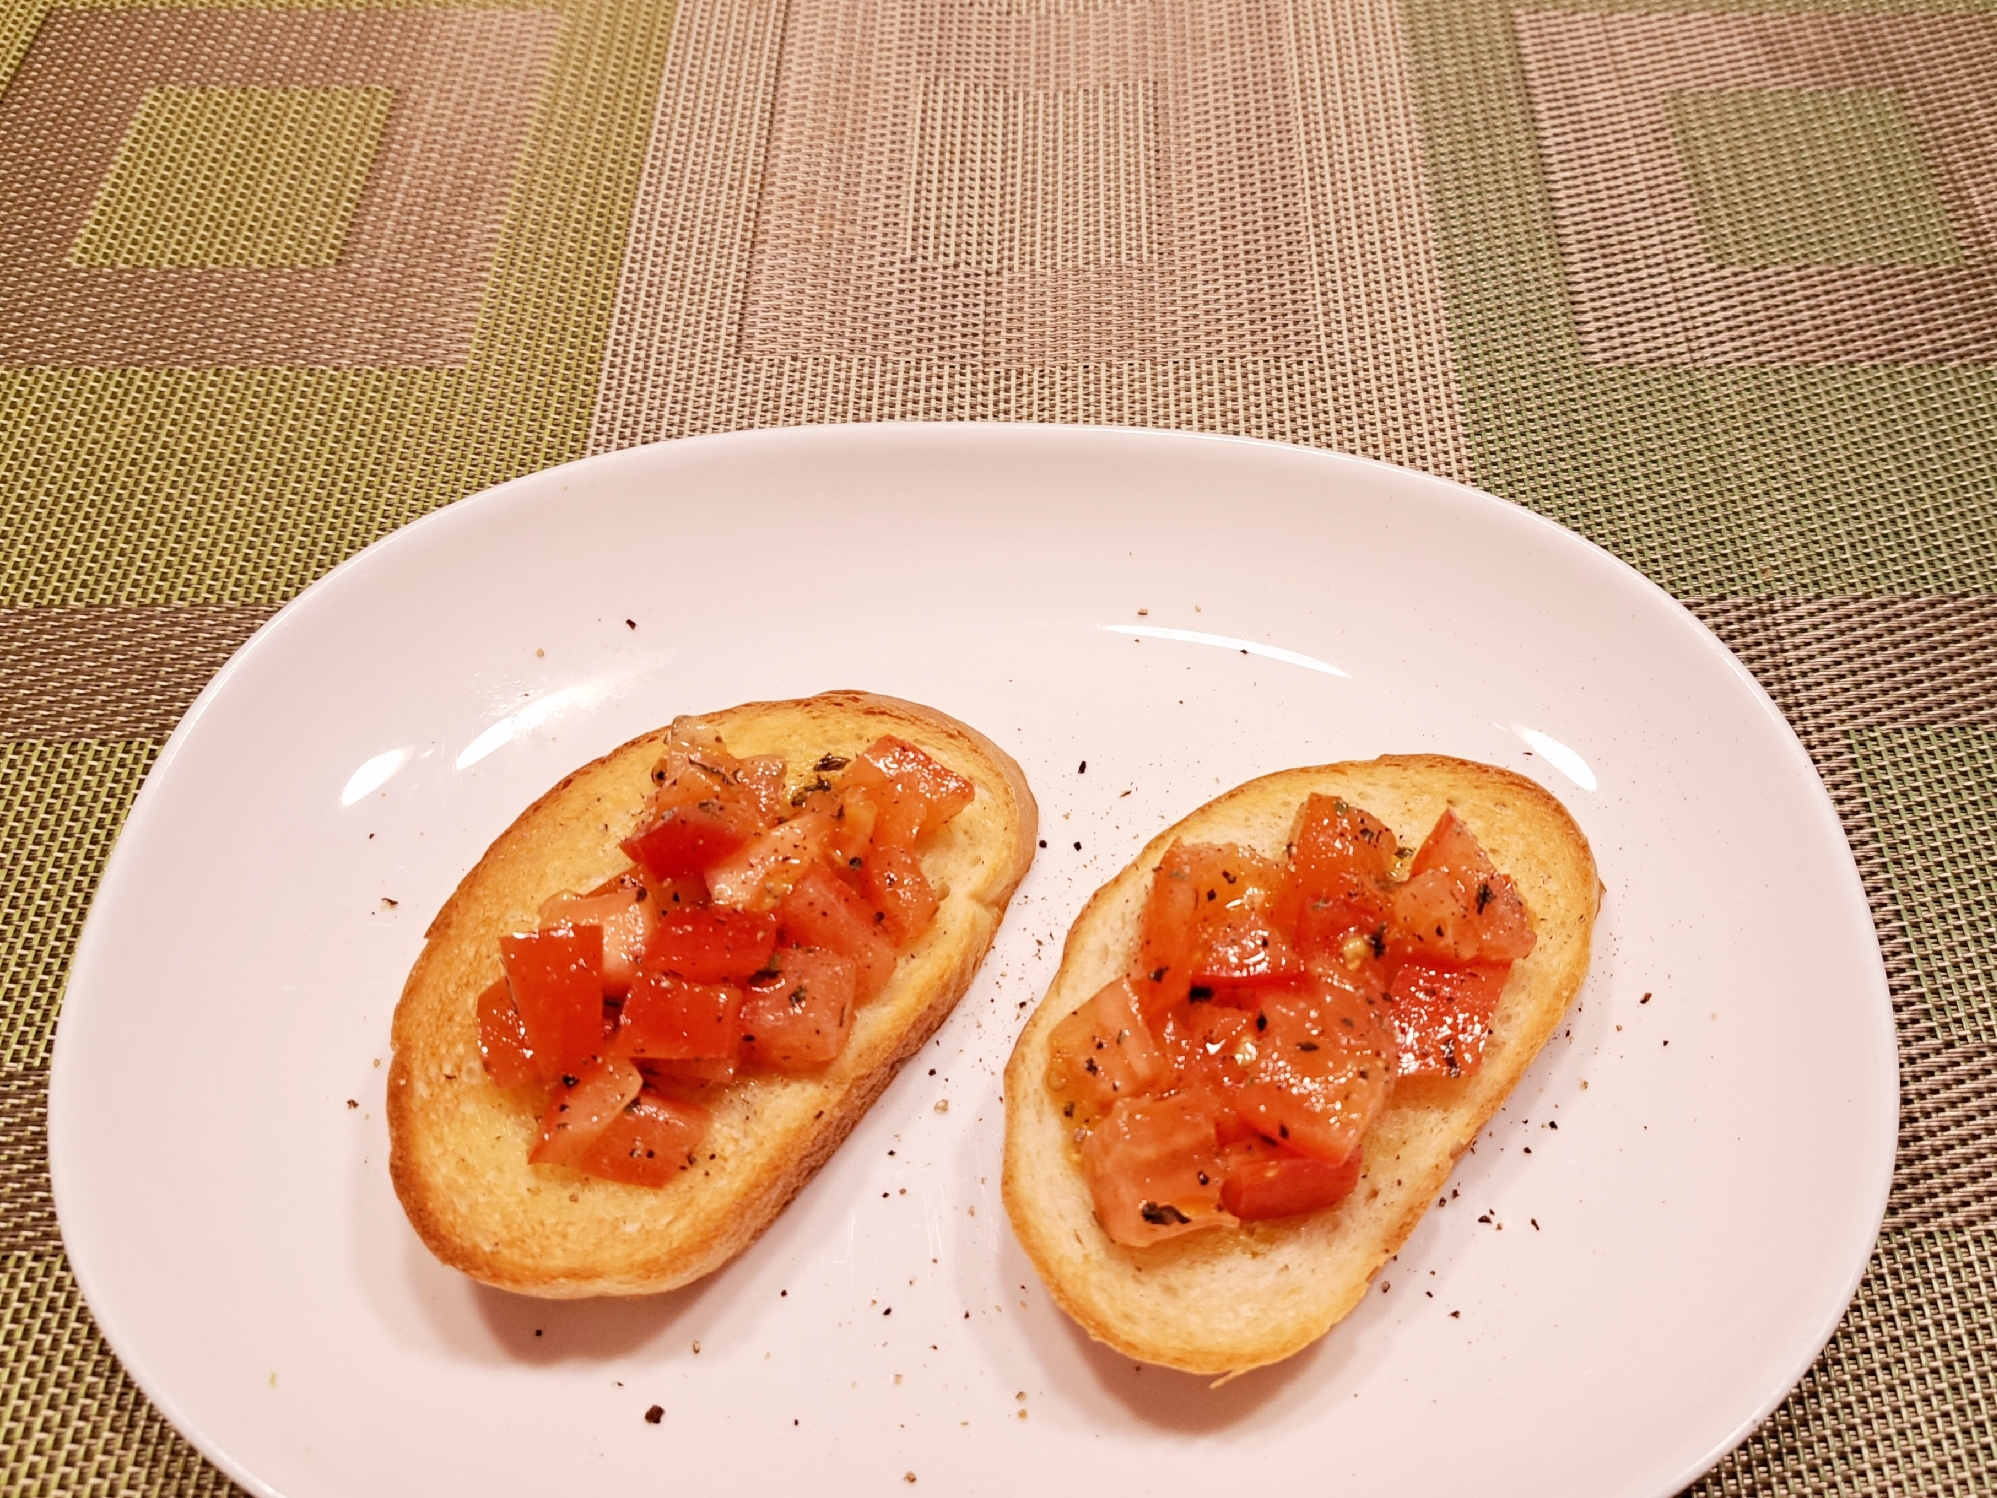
column 1230, row 1299
column 458, row 1143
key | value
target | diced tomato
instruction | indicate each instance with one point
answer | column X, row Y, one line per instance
column 1337, row 885
column 705, row 1072
column 502, row 1039
column 1456, row 906
column 586, row 1102
column 710, row 944
column 943, row 791
column 625, row 915
column 899, row 889
column 1202, row 1042
column 1322, row 1066
column 820, row 911
column 556, row 977
column 762, row 776
column 649, row 1142
column 1103, row 1053
column 1442, row 1016
column 763, row 870
column 1163, row 971
column 687, row 840
column 1283, row 1186
column 669, row 1019
column 1152, row 1167
column 1234, row 940
column 798, row 1021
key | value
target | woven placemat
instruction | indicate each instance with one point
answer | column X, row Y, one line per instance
column 1711, row 284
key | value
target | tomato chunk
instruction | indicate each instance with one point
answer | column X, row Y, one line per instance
column 757, row 875
column 798, row 1020
column 1442, row 1016
column 1286, row 1185
column 1235, row 940
column 649, row 1142
column 1163, row 970
column 695, row 1072
column 709, row 944
column 1102, row 1053
column 623, row 912
column 502, row 1039
column 1323, row 1061
column 557, row 980
column 1153, row 1169
column 942, row 791
column 1456, row 906
column 901, row 892
column 586, row 1103
column 686, row 840
column 820, row 911
column 669, row 1019
column 1337, row 885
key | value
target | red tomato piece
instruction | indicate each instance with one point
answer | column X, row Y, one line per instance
column 557, row 980
column 1153, row 1169
column 686, row 840
column 502, row 1039
column 1442, row 1016
column 623, row 912
column 649, row 1142
column 1323, row 1060
column 1456, row 906
column 586, row 1102
column 798, row 1021
column 757, row 875
column 1163, row 971
column 669, row 1019
column 1234, row 939
column 1204, row 1044
column 1338, row 883
column 1282, row 1186
column 900, row 891
column 712, row 944
column 943, row 791
column 820, row 911
column 1103, row 1053
column 703, row 1072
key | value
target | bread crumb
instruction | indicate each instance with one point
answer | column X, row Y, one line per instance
column 943, row 1105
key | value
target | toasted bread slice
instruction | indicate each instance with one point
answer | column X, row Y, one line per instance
column 458, row 1143
column 1233, row 1298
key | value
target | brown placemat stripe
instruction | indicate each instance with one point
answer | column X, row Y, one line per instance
column 27, row 1208
column 110, row 672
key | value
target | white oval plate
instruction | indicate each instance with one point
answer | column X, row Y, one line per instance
column 1606, row 1307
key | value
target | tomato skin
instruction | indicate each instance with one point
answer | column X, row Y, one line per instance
column 625, row 915
column 667, row 1018
column 1455, row 905
column 712, row 944
column 757, row 875
column 1103, row 1053
column 649, row 1142
column 1283, row 1186
column 502, row 1039
column 1153, row 1169
column 556, row 977
column 585, row 1103
column 797, row 1022
column 1442, row 1016
column 820, row 911
column 1322, row 1066
column 901, row 891
column 686, row 840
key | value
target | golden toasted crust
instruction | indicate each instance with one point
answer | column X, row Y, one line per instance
column 458, row 1143
column 1227, row 1300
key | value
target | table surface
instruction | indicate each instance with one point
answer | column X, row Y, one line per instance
column 1713, row 286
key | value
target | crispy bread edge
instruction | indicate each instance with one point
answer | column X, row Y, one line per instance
column 556, row 1233
column 1169, row 1304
